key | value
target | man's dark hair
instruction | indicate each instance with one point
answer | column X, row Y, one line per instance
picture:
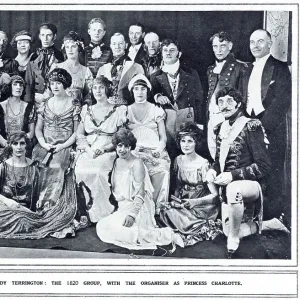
column 50, row 26
column 167, row 42
column 139, row 25
column 235, row 94
column 222, row 35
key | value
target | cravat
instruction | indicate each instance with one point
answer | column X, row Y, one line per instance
column 44, row 63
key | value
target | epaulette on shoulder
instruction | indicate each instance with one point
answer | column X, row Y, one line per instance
column 217, row 129
column 210, row 68
column 245, row 64
column 253, row 124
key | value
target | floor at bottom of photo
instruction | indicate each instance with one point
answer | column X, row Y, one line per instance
column 86, row 244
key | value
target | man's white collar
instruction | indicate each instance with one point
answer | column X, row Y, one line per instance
column 262, row 60
column 171, row 69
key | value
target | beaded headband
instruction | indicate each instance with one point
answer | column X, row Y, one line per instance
column 56, row 76
column 78, row 43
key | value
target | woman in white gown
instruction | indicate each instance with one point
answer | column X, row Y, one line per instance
column 146, row 121
column 132, row 225
column 99, row 121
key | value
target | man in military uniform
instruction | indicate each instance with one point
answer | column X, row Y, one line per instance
column 97, row 53
column 225, row 72
column 242, row 162
column 40, row 64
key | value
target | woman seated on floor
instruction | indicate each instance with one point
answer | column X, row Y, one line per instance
column 19, row 178
column 132, row 225
column 146, row 121
column 194, row 205
column 99, row 121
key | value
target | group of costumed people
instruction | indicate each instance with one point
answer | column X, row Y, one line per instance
column 118, row 177
column 80, row 155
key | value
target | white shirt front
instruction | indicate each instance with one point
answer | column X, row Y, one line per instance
column 172, row 69
column 254, row 87
column 219, row 66
column 133, row 50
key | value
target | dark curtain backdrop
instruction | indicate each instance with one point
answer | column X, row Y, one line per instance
column 191, row 28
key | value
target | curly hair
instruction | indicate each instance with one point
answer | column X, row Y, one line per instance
column 97, row 20
column 235, row 94
column 125, row 137
column 190, row 129
column 14, row 137
column 16, row 78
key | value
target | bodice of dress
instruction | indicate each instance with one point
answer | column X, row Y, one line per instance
column 14, row 120
column 58, row 127
column 191, row 180
column 121, row 184
column 146, row 129
column 79, row 77
column 124, row 186
column 102, row 130
column 17, row 182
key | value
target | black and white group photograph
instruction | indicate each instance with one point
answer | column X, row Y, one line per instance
column 150, row 134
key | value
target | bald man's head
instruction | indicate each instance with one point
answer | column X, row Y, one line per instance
column 260, row 43
column 152, row 43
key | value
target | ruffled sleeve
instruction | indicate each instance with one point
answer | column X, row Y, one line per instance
column 41, row 110
column 76, row 112
column 205, row 167
column 159, row 114
column 83, row 113
column 122, row 115
column 176, row 164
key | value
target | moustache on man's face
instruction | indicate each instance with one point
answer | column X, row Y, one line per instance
column 225, row 110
